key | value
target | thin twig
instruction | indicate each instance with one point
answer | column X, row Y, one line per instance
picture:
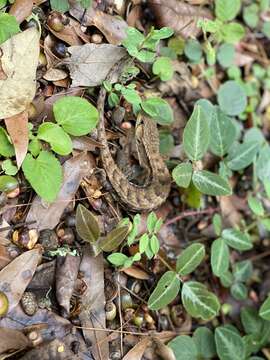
column 185, row 214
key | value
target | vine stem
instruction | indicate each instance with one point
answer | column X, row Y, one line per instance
column 185, row 214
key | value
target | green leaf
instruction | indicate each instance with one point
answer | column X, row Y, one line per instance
column 76, row 115
column 198, row 301
column 252, row 323
column 222, row 131
column 190, row 259
column 87, row 225
column 163, row 68
column 58, row 139
column 264, row 311
column 255, row 206
column 9, row 168
column 242, row 155
column 114, row 238
column 251, row 15
column 165, row 291
column 225, row 55
column 232, row 98
column 143, row 243
column 154, row 244
column 196, row 136
column 6, row 148
column 59, row 5
column 117, row 259
column 265, row 223
column 266, row 29
column 134, row 231
column 211, row 184
column 113, row 99
column 133, row 40
column 239, row 291
column 237, row 239
column 166, row 142
column 205, row 342
column 34, row 147
column 8, row 26
column 232, row 33
column 151, row 221
column 220, row 257
column 229, row 344
column 182, row 174
column 243, row 270
column 217, row 223
column 131, row 95
column 163, row 33
column 184, row 348
column 227, row 10
column 193, row 50
column 44, row 174
column 8, row 183
column 159, row 110
column 226, row 279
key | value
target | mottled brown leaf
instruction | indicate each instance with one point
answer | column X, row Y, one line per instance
column 5, row 258
column 19, row 63
column 163, row 350
column 179, row 16
column 136, row 353
column 16, row 276
column 17, row 127
column 12, row 340
column 86, row 224
column 21, row 9
column 114, row 238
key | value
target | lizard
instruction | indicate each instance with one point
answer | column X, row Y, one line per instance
column 155, row 192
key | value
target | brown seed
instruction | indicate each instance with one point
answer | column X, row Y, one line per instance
column 25, row 238
column 48, row 239
column 3, row 304
column 29, row 303
column 55, row 21
column 96, row 38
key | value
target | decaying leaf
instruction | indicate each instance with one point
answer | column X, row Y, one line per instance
column 89, row 64
column 113, row 27
column 87, row 225
column 67, row 268
column 69, row 34
column 179, row 16
column 136, row 353
column 21, row 9
column 17, row 127
column 114, row 238
column 163, row 350
column 93, row 300
column 48, row 216
column 19, row 63
column 12, row 340
column 55, row 74
column 5, row 257
column 16, row 276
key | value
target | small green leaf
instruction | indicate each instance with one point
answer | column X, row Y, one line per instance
column 211, row 184
column 265, row 223
column 251, row 321
column 237, row 239
column 166, row 142
column 193, row 50
column 76, row 115
column 229, row 344
column 143, row 243
column 58, row 139
column 8, row 26
column 86, row 224
column 151, row 221
column 163, row 68
column 163, row 33
column 227, row 10
column 220, row 257
column 232, row 98
column 239, row 291
column 113, row 99
column 205, row 342
column 184, row 348
column 117, row 259
column 190, row 259
column 154, row 244
column 196, row 136
column 251, row 15
column 158, row 225
column 182, row 174
column 59, row 5
column 217, row 223
column 9, row 168
column 242, row 155
column 34, row 147
column 264, row 311
column 226, row 279
column 133, row 40
column 8, row 183
column 198, row 301
column 134, row 231
column 165, row 291
column 114, row 238
column 255, row 206
column 6, row 148
column 225, row 55
column 159, row 110
column 242, row 270
column 44, row 174
column 232, row 33
column 131, row 95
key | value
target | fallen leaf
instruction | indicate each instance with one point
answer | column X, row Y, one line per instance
column 71, row 33
column 12, row 340
column 89, row 64
column 48, row 216
column 136, row 272
column 136, row 353
column 179, row 16
column 163, row 350
column 19, row 63
column 112, row 27
column 21, row 9
column 230, row 214
column 55, row 74
column 5, row 257
column 17, row 127
column 16, row 276
column 67, row 268
column 93, row 302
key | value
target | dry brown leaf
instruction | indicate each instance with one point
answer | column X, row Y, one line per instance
column 19, row 62
column 136, row 353
column 93, row 301
column 179, row 16
column 136, row 272
column 21, row 9
column 55, row 74
column 16, row 276
column 12, row 340
column 89, row 64
column 163, row 350
column 230, row 214
column 112, row 27
column 69, row 35
column 5, row 257
column 17, row 127
column 48, row 216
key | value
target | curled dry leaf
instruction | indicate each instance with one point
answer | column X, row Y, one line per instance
column 230, row 214
column 112, row 27
column 16, row 276
column 55, row 74
column 12, row 340
column 136, row 272
column 17, row 127
column 87, row 225
column 21, row 9
column 19, row 62
column 136, row 353
column 163, row 350
column 69, row 35
column 67, row 268
column 179, row 16
column 89, row 64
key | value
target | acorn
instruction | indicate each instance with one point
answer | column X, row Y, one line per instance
column 60, row 50
column 178, row 315
column 56, row 21
column 29, row 303
column 25, row 238
column 42, row 61
column 96, row 38
column 110, row 310
column 4, row 304
column 8, row 183
column 138, row 319
column 134, row 285
column 126, row 300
